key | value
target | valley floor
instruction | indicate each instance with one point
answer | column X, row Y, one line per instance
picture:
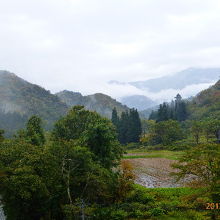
column 153, row 169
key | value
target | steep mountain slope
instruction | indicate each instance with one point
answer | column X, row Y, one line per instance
column 206, row 103
column 20, row 99
column 140, row 102
column 98, row 102
column 180, row 80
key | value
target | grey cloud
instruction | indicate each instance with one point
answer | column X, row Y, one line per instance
column 82, row 44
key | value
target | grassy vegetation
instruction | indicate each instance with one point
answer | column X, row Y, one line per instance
column 160, row 203
column 142, row 153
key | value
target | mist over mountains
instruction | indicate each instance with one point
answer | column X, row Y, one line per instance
column 187, row 82
column 101, row 103
column 20, row 99
column 180, row 80
column 139, row 102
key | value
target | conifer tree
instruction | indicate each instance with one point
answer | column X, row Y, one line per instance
column 123, row 128
column 128, row 126
column 115, row 118
column 175, row 111
column 1, row 135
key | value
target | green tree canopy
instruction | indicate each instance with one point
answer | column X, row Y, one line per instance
column 33, row 133
column 90, row 130
column 165, row 132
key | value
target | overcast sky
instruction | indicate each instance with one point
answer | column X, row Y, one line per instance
column 82, row 44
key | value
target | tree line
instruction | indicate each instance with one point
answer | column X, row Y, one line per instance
column 176, row 110
column 128, row 126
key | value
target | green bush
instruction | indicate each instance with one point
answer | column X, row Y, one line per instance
column 118, row 214
column 139, row 195
column 181, row 145
column 157, row 211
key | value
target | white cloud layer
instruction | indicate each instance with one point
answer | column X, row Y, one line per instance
column 82, row 44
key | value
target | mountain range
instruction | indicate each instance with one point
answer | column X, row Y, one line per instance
column 180, row 80
column 187, row 82
column 20, row 99
column 101, row 103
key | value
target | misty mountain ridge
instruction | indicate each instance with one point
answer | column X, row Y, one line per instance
column 206, row 103
column 140, row 102
column 179, row 80
column 101, row 103
column 20, row 99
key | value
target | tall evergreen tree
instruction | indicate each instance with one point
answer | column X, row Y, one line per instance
column 1, row 135
column 163, row 112
column 115, row 118
column 128, row 126
column 180, row 108
column 175, row 111
column 134, row 129
column 123, row 128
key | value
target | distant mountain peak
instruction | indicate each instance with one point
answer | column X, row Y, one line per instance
column 139, row 102
column 179, row 80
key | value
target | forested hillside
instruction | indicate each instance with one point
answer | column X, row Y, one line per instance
column 20, row 99
column 206, row 103
column 98, row 102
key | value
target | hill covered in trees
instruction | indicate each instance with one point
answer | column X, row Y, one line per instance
column 20, row 99
column 98, row 102
column 183, row 123
column 206, row 103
